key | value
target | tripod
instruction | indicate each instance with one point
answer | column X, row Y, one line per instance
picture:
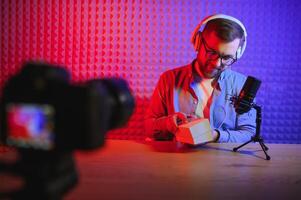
column 257, row 137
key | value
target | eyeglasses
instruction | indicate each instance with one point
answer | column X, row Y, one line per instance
column 226, row 60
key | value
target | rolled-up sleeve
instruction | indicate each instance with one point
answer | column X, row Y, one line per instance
column 156, row 112
column 244, row 129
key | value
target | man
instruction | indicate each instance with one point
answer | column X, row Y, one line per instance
column 203, row 88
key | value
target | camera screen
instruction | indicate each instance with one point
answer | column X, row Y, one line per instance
column 30, row 126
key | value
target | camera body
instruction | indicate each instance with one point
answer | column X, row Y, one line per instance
column 45, row 118
column 41, row 110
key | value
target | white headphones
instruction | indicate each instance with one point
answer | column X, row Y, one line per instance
column 196, row 35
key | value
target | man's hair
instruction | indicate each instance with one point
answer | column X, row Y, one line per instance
column 225, row 29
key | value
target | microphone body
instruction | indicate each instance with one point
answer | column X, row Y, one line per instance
column 244, row 102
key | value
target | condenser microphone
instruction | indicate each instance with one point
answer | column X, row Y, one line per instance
column 244, row 102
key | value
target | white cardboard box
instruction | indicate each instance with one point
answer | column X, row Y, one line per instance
column 195, row 132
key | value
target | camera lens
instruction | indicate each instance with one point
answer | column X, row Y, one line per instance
column 118, row 98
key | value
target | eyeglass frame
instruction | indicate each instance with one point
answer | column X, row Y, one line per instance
column 208, row 49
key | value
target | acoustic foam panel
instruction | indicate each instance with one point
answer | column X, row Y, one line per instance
column 138, row 40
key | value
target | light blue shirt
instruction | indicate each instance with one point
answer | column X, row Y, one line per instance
column 175, row 92
column 232, row 127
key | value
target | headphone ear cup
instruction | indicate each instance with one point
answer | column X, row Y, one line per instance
column 197, row 41
column 242, row 47
column 239, row 52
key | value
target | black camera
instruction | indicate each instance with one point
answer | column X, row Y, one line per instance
column 45, row 117
column 42, row 110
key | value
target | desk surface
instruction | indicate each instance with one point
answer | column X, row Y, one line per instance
column 165, row 170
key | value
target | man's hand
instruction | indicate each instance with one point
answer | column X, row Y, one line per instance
column 174, row 120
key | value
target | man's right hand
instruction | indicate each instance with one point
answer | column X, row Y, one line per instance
column 174, row 120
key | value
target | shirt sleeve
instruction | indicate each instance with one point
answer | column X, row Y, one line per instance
column 156, row 116
column 244, row 129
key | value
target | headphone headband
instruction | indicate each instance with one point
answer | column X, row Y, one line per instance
column 196, row 40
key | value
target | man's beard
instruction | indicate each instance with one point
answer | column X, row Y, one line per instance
column 211, row 71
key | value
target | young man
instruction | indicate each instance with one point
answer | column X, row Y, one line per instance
column 203, row 88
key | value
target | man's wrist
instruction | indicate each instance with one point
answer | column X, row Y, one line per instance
column 217, row 136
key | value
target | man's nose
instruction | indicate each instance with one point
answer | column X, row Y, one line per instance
column 219, row 63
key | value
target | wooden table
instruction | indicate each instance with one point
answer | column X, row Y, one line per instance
column 165, row 170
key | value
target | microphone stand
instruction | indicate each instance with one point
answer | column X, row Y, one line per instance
column 257, row 137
